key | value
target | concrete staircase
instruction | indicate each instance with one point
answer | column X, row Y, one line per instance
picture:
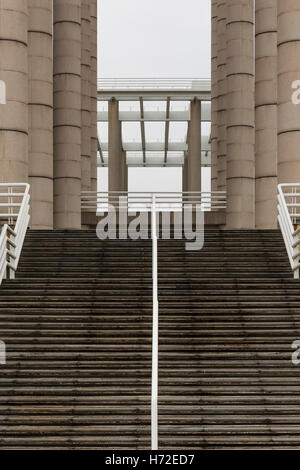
column 77, row 325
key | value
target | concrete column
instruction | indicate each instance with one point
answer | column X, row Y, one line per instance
column 222, row 95
column 266, row 114
column 85, row 96
column 185, row 173
column 41, row 113
column 214, row 95
column 67, row 114
column 94, row 75
column 124, row 172
column 14, row 73
column 115, row 167
column 288, row 73
column 240, row 114
column 194, row 148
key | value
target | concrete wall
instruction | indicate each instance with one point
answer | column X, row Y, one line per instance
column 14, row 72
column 40, row 113
column 67, row 114
column 266, row 114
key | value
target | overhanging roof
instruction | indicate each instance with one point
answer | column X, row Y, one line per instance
column 162, row 90
column 178, row 89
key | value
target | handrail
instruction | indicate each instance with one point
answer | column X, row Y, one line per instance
column 13, row 232
column 153, row 203
column 154, row 388
column 92, row 201
column 289, row 222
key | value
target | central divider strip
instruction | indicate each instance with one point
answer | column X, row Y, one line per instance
column 154, row 391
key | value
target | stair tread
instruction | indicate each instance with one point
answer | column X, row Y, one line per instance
column 77, row 325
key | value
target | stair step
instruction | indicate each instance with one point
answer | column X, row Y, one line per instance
column 77, row 322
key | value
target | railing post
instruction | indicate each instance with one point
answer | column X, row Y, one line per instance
column 13, row 233
column 296, row 271
column 10, row 208
column 12, row 261
column 154, row 391
column 8, row 270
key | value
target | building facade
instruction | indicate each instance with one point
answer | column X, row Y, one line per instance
column 48, row 131
column 255, row 120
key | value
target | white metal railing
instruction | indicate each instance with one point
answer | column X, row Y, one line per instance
column 154, row 386
column 98, row 202
column 154, row 203
column 198, row 84
column 289, row 221
column 14, row 215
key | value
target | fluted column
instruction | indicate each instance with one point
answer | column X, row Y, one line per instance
column 14, row 73
column 288, row 73
column 222, row 95
column 41, row 113
column 94, row 74
column 240, row 114
column 214, row 95
column 67, row 114
column 266, row 115
column 194, row 148
column 85, row 96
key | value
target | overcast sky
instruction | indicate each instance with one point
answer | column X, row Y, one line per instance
column 153, row 39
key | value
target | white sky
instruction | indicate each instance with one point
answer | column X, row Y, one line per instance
column 153, row 39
